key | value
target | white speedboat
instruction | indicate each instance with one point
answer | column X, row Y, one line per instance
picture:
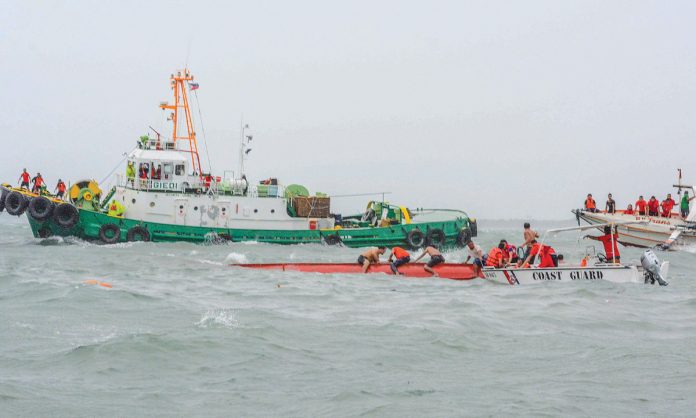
column 594, row 268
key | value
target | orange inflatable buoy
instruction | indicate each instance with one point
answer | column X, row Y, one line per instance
column 583, row 263
column 97, row 282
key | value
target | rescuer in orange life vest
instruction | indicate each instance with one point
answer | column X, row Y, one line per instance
column 547, row 255
column 402, row 257
column 60, row 188
column 590, row 204
column 610, row 241
column 497, row 256
column 24, row 179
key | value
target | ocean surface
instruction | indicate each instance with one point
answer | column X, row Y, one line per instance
column 181, row 333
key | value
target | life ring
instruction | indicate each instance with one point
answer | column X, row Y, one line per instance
column 415, row 238
column 110, row 233
column 463, row 237
column 45, row 232
column 66, row 215
column 436, row 237
column 138, row 233
column 332, row 239
column 16, row 203
column 3, row 195
column 40, row 208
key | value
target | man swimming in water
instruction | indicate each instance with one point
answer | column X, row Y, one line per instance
column 371, row 256
column 435, row 259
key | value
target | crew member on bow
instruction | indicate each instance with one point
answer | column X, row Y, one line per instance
column 590, row 204
column 60, row 189
column 37, row 183
column 610, row 207
column 641, row 206
column 24, row 179
column 667, row 206
column 653, row 206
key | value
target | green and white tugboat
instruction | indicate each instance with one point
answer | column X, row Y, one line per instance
column 167, row 196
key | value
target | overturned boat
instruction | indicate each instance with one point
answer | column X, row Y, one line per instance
column 166, row 195
column 452, row 271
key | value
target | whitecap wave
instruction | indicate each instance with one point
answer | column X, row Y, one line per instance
column 219, row 317
column 236, row 258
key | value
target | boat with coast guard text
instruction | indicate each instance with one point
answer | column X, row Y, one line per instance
column 167, row 195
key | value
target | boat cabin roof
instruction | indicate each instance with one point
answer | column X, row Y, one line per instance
column 157, row 155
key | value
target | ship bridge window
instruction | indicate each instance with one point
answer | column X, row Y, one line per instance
column 180, row 170
column 168, row 170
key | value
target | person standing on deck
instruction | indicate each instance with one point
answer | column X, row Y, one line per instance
column 667, row 206
column 24, row 180
column 38, row 182
column 60, row 189
column 590, row 204
column 401, row 257
column 476, row 253
column 529, row 236
column 435, row 259
column 130, row 174
column 641, row 206
column 371, row 256
column 610, row 242
column 610, row 207
column 653, row 207
column 684, row 206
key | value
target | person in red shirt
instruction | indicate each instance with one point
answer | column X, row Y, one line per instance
column 610, row 242
column 653, row 207
column 60, row 188
column 548, row 257
column 641, row 206
column 667, row 206
column 629, row 210
column 38, row 182
column 24, row 179
column 401, row 257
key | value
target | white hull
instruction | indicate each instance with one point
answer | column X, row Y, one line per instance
column 654, row 232
column 606, row 272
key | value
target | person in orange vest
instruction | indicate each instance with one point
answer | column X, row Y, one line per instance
column 38, row 182
column 60, row 188
column 667, row 206
column 497, row 257
column 653, row 207
column 24, row 179
column 400, row 257
column 629, row 210
column 610, row 242
column 590, row 204
column 641, row 206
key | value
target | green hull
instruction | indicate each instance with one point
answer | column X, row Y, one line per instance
column 90, row 223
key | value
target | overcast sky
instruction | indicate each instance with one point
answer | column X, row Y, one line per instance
column 502, row 109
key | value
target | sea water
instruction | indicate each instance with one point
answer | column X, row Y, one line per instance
column 182, row 333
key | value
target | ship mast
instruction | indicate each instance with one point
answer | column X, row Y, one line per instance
column 181, row 103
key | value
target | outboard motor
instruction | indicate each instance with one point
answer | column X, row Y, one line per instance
column 651, row 265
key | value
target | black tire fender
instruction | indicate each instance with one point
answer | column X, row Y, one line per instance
column 40, row 208
column 45, row 232
column 16, row 203
column 66, row 215
column 110, row 233
column 415, row 238
column 463, row 237
column 436, row 237
column 332, row 239
column 3, row 194
column 138, row 233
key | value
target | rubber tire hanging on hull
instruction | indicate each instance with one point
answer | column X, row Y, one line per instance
column 16, row 203
column 3, row 195
column 332, row 239
column 463, row 237
column 66, row 215
column 40, row 208
column 105, row 229
column 138, row 233
column 45, row 232
column 436, row 237
column 415, row 238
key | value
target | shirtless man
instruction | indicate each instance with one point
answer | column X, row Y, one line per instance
column 435, row 259
column 370, row 256
column 529, row 236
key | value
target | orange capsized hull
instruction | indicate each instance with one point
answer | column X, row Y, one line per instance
column 444, row 271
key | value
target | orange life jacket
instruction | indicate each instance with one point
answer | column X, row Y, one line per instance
column 400, row 252
column 495, row 257
column 590, row 204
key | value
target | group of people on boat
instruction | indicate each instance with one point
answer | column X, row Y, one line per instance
column 651, row 207
column 38, row 185
column 399, row 256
